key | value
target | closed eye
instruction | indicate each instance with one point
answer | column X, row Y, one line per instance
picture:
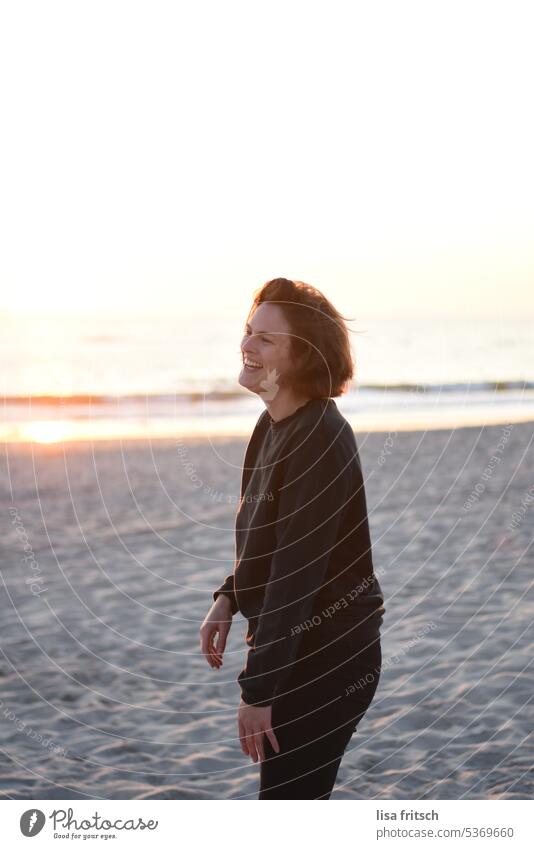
column 263, row 338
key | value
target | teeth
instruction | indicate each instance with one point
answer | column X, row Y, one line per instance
column 252, row 363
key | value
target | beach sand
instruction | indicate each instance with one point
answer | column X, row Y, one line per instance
column 111, row 552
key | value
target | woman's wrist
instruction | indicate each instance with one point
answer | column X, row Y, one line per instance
column 224, row 603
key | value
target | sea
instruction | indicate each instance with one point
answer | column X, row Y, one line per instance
column 88, row 377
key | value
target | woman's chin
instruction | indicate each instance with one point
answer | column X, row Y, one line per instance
column 249, row 381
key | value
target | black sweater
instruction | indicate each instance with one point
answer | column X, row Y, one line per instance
column 302, row 540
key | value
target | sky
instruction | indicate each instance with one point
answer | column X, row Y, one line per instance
column 172, row 157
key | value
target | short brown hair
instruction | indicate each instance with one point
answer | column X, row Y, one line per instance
column 320, row 339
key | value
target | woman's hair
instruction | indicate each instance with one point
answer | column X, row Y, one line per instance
column 319, row 337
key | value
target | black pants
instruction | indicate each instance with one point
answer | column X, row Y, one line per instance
column 325, row 696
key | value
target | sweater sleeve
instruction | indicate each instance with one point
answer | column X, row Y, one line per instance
column 317, row 481
column 227, row 589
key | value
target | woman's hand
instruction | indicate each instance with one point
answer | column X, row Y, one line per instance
column 253, row 722
column 217, row 624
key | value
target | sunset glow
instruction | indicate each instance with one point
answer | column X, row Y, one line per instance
column 381, row 151
column 45, row 432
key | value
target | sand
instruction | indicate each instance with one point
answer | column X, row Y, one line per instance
column 110, row 554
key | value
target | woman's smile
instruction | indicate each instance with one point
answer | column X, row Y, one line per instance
column 251, row 364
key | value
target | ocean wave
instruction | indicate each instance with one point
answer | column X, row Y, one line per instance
column 224, row 394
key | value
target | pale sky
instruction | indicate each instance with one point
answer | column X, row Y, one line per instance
column 172, row 157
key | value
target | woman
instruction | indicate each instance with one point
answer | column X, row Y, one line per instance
column 303, row 575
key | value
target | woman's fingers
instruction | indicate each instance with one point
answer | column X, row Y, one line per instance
column 242, row 738
column 258, row 741
column 204, row 645
column 207, row 648
column 213, row 626
column 252, row 743
column 251, row 746
column 272, row 739
column 216, row 660
column 221, row 641
column 253, row 723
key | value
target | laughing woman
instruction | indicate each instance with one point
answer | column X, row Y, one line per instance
column 303, row 575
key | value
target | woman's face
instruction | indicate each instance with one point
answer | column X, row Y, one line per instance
column 267, row 344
